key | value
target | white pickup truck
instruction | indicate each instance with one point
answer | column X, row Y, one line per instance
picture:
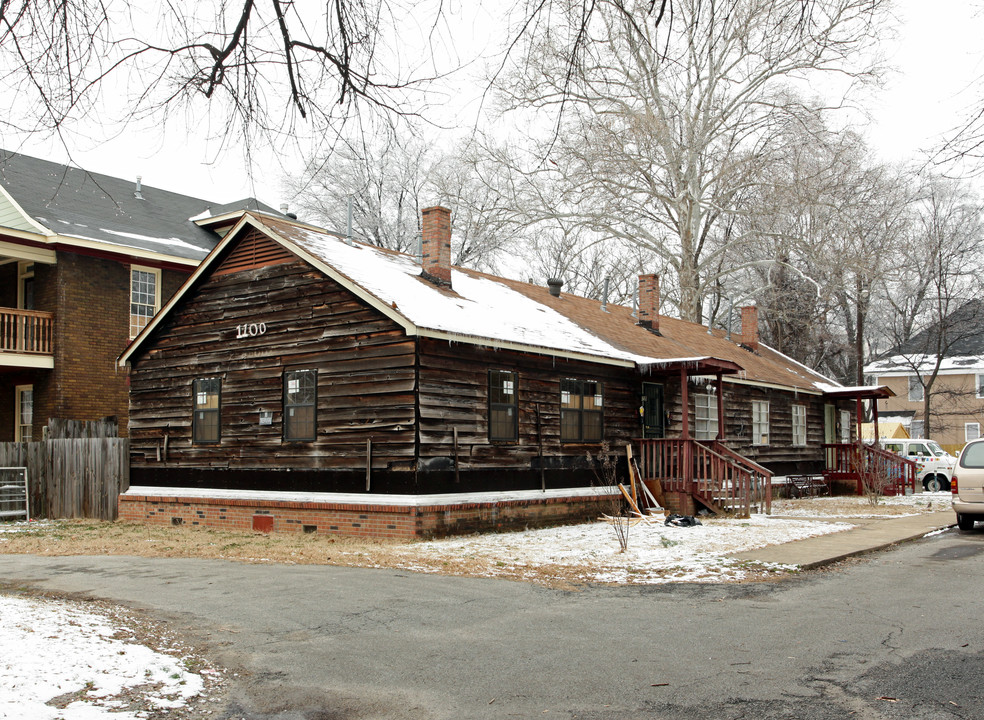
column 934, row 465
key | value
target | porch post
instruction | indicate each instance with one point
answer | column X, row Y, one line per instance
column 874, row 418
column 686, row 450
column 685, row 405
column 720, row 404
column 860, row 417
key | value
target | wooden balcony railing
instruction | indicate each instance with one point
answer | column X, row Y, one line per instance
column 26, row 331
column 709, row 471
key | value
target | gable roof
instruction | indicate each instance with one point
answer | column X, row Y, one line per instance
column 963, row 340
column 486, row 310
column 63, row 204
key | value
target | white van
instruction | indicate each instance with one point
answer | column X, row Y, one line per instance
column 934, row 465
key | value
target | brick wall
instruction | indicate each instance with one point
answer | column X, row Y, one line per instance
column 90, row 298
column 381, row 521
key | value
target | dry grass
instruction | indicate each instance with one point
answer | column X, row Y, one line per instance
column 86, row 537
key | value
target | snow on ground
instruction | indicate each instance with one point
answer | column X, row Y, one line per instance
column 62, row 662
column 590, row 552
column 853, row 506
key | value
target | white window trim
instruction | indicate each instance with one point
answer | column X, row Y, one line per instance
column 712, row 417
column 156, row 272
column 799, row 441
column 23, row 273
column 758, row 437
column 915, row 388
column 845, row 426
column 968, row 436
column 18, row 391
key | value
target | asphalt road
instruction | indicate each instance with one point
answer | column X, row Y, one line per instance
column 898, row 634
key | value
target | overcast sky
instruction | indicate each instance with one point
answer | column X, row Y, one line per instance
column 937, row 56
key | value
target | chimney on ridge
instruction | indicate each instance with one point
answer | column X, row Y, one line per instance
column 750, row 327
column 436, row 244
column 649, row 302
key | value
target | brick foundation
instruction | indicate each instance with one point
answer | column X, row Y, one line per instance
column 403, row 522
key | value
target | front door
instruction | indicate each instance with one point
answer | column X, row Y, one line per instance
column 652, row 410
column 830, row 433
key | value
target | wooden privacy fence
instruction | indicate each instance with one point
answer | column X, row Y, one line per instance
column 72, row 478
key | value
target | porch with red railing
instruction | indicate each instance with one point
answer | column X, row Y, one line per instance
column 26, row 332
column 710, row 472
column 869, row 466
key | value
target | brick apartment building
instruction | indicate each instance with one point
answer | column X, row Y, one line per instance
column 85, row 261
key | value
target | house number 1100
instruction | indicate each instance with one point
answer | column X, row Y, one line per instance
column 250, row 330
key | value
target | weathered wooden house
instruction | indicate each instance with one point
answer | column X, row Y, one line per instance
column 299, row 380
column 85, row 261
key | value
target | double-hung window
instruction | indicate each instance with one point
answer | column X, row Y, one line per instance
column 760, row 422
column 503, row 406
column 207, row 410
column 300, row 404
column 145, row 297
column 581, row 410
column 799, row 425
column 705, row 416
column 915, row 389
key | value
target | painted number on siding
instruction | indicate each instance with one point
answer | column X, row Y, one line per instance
column 250, row 330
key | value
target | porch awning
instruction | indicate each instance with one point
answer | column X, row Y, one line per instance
column 693, row 366
column 857, row 392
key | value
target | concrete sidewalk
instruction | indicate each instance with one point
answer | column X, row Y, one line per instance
column 869, row 534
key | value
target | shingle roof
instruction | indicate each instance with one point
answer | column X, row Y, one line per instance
column 74, row 203
column 964, row 344
column 485, row 306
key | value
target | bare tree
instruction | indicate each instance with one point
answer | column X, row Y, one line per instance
column 669, row 124
column 387, row 179
column 936, row 288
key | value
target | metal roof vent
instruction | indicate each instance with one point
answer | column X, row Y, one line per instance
column 555, row 284
column 137, row 194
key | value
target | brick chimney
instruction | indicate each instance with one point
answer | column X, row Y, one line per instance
column 649, row 302
column 750, row 327
column 436, row 244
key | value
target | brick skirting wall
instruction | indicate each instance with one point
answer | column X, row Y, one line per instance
column 361, row 520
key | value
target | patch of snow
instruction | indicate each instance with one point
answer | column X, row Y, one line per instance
column 368, row 498
column 656, row 553
column 171, row 241
column 479, row 306
column 206, row 213
column 54, row 649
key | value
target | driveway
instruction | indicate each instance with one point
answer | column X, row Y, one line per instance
column 895, row 635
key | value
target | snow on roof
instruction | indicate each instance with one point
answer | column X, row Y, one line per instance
column 478, row 305
column 909, row 364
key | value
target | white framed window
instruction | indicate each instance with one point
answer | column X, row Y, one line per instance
column 760, row 422
column 915, row 389
column 799, row 425
column 916, row 429
column 972, row 431
column 845, row 426
column 705, row 416
column 145, row 297
column 25, row 285
column 980, row 385
column 23, row 413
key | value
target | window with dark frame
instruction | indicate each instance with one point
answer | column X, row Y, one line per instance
column 300, row 404
column 581, row 410
column 207, row 408
column 503, row 406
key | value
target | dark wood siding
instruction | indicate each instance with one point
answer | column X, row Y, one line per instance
column 454, row 395
column 365, row 364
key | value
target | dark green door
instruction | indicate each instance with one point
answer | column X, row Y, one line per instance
column 652, row 410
